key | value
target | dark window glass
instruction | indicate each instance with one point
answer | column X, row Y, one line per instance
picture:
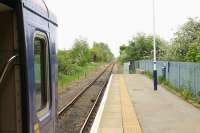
column 41, row 71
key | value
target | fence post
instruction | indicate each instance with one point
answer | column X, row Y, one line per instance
column 197, row 79
column 194, row 80
column 179, row 75
column 168, row 68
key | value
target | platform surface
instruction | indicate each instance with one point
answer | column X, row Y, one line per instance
column 161, row 111
column 131, row 106
column 116, row 113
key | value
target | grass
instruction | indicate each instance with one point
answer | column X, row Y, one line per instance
column 160, row 79
column 183, row 92
column 81, row 72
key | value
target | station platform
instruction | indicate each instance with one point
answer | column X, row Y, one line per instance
column 130, row 105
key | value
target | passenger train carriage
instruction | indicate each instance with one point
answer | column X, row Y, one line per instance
column 27, row 67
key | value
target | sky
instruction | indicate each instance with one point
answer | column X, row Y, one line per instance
column 115, row 22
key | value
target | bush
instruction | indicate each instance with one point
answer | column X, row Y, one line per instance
column 186, row 94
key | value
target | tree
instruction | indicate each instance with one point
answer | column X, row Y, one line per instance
column 184, row 37
column 141, row 47
column 65, row 65
column 80, row 52
column 101, row 52
column 193, row 53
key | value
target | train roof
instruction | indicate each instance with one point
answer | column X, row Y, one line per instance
column 38, row 7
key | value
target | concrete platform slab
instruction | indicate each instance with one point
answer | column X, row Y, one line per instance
column 117, row 115
column 111, row 120
column 132, row 106
column 161, row 111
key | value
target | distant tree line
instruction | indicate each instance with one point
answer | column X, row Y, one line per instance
column 69, row 61
column 184, row 46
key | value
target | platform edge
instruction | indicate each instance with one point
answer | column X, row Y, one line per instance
column 98, row 116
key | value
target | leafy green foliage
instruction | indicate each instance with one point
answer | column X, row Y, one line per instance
column 64, row 62
column 80, row 52
column 183, row 92
column 100, row 52
column 141, row 47
column 186, row 94
column 193, row 53
column 185, row 45
column 78, row 74
column 76, row 62
column 160, row 79
column 186, row 42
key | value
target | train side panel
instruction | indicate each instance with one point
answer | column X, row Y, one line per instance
column 39, row 27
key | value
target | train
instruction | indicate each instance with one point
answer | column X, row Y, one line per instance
column 28, row 67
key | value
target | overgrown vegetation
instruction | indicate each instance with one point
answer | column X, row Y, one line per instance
column 81, row 72
column 184, row 46
column 77, row 62
column 141, row 47
column 160, row 79
column 183, row 92
column 100, row 52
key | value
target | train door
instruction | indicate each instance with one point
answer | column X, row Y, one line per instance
column 39, row 67
column 27, row 67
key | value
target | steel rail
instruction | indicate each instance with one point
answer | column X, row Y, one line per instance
column 66, row 107
column 95, row 103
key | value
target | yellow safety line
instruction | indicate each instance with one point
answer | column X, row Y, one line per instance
column 130, row 121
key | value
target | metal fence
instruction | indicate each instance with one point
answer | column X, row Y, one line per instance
column 179, row 74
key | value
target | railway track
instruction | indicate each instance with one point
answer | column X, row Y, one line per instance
column 77, row 115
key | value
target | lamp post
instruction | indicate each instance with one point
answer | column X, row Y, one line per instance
column 154, row 50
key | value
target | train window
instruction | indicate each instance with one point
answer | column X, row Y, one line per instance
column 41, row 71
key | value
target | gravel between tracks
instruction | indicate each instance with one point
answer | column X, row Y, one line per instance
column 73, row 119
column 67, row 94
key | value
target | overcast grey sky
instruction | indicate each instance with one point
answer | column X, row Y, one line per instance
column 116, row 21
